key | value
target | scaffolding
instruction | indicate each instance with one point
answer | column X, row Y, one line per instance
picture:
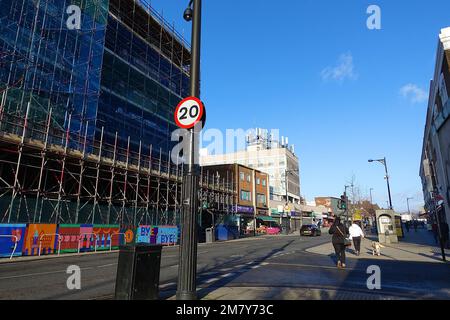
column 41, row 181
column 62, row 159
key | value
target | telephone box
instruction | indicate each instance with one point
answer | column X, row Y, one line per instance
column 387, row 231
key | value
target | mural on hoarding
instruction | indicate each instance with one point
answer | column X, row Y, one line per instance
column 70, row 234
column 167, row 235
column 76, row 236
column 105, row 236
column 43, row 234
column 157, row 234
column 127, row 234
column 146, row 234
column 7, row 243
column 87, row 237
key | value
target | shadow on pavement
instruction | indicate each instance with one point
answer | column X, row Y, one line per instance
column 202, row 292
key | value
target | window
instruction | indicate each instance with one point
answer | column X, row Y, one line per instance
column 258, row 181
column 264, row 182
column 249, row 178
column 246, row 195
column 261, row 199
column 241, row 176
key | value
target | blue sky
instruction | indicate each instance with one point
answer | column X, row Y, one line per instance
column 341, row 92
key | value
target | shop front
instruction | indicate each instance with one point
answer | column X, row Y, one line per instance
column 246, row 216
column 296, row 220
column 267, row 225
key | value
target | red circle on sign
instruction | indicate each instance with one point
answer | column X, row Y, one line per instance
column 199, row 116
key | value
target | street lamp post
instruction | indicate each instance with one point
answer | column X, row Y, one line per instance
column 187, row 269
column 371, row 207
column 384, row 162
column 407, row 202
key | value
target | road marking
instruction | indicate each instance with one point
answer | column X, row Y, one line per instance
column 39, row 274
column 107, row 265
column 224, row 270
column 167, row 285
column 228, row 275
column 212, row 280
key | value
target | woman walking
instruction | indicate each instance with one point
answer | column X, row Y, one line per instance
column 356, row 234
column 339, row 232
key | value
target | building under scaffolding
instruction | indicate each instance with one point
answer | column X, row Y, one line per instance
column 86, row 115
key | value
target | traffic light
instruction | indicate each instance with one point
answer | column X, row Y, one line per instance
column 343, row 203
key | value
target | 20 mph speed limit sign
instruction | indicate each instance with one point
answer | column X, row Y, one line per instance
column 188, row 112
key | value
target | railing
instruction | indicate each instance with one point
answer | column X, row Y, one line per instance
column 111, row 239
column 88, row 234
column 16, row 240
column 50, row 234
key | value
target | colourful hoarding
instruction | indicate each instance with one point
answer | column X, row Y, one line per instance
column 107, row 234
column 87, row 237
column 157, row 234
column 7, row 241
column 40, row 234
column 167, row 235
column 146, row 234
column 126, row 235
column 70, row 235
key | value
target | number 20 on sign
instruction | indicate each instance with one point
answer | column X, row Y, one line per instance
column 188, row 112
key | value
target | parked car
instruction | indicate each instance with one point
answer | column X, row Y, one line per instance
column 310, row 230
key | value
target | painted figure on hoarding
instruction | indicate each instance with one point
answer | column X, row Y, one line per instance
column 87, row 237
column 17, row 232
column 107, row 235
column 43, row 235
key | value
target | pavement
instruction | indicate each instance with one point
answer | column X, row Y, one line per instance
column 287, row 267
column 417, row 246
column 410, row 270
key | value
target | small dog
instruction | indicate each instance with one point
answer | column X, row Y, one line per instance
column 376, row 248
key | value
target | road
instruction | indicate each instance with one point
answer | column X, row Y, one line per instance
column 263, row 262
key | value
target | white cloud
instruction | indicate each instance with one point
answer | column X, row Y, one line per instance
column 414, row 93
column 342, row 71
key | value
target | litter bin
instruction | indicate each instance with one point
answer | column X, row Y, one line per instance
column 138, row 272
column 210, row 236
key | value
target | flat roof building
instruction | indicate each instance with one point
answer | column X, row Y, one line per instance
column 434, row 164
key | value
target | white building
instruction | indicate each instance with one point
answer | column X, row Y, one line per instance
column 276, row 158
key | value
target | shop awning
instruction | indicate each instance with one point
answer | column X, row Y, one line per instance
column 266, row 218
